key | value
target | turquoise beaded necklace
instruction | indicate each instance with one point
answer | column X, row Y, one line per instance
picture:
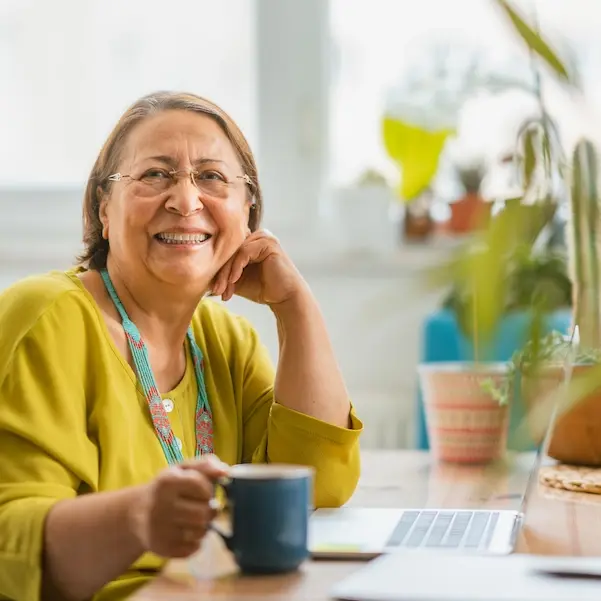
column 204, row 421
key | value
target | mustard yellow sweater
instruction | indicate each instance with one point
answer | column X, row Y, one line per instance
column 73, row 419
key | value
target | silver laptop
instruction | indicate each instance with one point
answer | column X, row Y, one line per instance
column 365, row 532
column 518, row 577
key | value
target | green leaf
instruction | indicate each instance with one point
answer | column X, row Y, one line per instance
column 529, row 157
column 535, row 41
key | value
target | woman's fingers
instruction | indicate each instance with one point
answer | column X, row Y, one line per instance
column 222, row 278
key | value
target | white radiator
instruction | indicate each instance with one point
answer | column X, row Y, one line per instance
column 388, row 422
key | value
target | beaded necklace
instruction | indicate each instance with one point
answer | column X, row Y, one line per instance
column 204, row 422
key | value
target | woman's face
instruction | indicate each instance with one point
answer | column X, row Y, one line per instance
column 174, row 230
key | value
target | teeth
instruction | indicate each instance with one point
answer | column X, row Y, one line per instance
column 182, row 238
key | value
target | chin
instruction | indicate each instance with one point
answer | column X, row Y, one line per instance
column 189, row 277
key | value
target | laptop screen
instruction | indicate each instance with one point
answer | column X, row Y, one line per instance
column 543, row 449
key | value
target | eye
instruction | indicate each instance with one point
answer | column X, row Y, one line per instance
column 155, row 175
column 211, row 175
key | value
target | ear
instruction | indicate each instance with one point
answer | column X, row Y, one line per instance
column 102, row 212
column 248, row 207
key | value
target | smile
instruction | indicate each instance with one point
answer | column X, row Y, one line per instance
column 179, row 238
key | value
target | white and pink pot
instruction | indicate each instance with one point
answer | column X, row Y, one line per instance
column 465, row 423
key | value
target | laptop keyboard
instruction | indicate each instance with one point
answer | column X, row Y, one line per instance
column 444, row 529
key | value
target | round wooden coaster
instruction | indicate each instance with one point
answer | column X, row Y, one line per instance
column 571, row 477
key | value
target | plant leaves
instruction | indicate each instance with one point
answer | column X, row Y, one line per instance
column 535, row 42
column 480, row 272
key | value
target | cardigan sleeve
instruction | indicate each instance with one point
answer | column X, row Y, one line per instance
column 277, row 434
column 43, row 437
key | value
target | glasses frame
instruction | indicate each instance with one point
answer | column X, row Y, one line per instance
column 117, row 177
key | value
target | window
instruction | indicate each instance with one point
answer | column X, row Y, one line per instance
column 385, row 49
column 69, row 68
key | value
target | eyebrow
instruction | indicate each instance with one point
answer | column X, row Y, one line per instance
column 173, row 162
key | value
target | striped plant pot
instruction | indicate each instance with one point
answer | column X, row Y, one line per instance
column 465, row 423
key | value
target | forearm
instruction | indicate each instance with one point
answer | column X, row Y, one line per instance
column 308, row 377
column 88, row 543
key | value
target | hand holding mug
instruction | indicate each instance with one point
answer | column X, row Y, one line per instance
column 175, row 509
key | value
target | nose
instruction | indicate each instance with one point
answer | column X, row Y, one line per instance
column 184, row 198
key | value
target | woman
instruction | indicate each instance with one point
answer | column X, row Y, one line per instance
column 117, row 381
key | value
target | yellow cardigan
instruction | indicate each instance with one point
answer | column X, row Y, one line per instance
column 73, row 419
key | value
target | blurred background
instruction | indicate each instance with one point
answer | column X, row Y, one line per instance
column 384, row 131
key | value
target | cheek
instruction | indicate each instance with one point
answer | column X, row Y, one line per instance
column 232, row 219
column 130, row 216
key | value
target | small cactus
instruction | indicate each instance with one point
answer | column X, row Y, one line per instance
column 584, row 242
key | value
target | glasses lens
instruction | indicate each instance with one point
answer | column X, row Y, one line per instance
column 211, row 186
column 156, row 180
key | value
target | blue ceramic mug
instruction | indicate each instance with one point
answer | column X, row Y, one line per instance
column 270, row 505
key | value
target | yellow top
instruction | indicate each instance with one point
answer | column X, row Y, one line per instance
column 73, row 420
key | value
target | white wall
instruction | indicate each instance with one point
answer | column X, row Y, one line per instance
column 69, row 68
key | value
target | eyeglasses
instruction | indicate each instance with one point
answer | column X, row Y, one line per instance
column 156, row 181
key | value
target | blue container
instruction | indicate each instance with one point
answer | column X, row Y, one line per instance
column 442, row 340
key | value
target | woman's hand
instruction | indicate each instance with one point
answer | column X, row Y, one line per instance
column 260, row 271
column 175, row 510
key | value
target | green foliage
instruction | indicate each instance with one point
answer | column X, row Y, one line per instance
column 539, row 352
column 500, row 393
column 504, row 268
column 533, row 281
column 535, row 42
column 551, row 349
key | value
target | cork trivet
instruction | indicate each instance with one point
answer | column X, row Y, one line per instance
column 571, row 477
column 570, row 496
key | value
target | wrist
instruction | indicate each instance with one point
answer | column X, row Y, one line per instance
column 134, row 510
column 297, row 304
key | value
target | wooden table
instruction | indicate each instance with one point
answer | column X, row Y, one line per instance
column 557, row 523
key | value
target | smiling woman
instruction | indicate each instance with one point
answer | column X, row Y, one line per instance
column 149, row 379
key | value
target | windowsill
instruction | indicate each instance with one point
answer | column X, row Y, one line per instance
column 315, row 260
column 405, row 260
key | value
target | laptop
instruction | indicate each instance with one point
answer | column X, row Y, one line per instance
column 517, row 577
column 364, row 533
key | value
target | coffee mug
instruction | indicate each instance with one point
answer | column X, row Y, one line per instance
column 269, row 506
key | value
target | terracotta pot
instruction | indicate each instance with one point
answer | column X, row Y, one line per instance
column 469, row 213
column 465, row 423
column 576, row 437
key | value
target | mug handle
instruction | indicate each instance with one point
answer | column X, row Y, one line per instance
column 224, row 483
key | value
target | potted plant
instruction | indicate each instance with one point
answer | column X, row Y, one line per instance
column 467, row 403
column 469, row 212
column 577, row 434
column 541, row 366
column 467, row 410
